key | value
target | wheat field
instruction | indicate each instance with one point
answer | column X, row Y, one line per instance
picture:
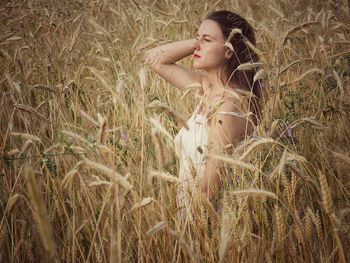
column 88, row 169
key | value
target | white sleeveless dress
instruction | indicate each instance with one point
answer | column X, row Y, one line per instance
column 191, row 149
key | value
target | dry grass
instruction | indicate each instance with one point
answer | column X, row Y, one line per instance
column 88, row 169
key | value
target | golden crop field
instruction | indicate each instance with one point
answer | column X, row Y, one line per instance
column 88, row 170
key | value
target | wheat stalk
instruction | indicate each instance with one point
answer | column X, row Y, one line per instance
column 326, row 194
column 279, row 228
column 169, row 111
column 101, row 137
column 32, row 111
column 238, row 163
column 114, row 176
column 252, row 148
column 255, row 192
column 40, row 212
column 75, row 136
column 164, row 177
column 226, row 230
column 156, row 228
column 158, row 141
column 297, row 28
column 27, row 136
column 156, row 123
column 145, row 201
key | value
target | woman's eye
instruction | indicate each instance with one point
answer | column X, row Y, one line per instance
column 207, row 40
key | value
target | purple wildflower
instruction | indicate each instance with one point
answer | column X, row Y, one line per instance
column 289, row 129
column 123, row 136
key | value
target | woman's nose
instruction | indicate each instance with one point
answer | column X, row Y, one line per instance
column 195, row 44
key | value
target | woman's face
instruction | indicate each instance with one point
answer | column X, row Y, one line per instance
column 209, row 46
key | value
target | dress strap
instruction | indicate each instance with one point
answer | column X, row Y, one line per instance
column 235, row 113
column 197, row 108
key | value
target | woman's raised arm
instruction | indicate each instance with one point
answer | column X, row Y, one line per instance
column 162, row 59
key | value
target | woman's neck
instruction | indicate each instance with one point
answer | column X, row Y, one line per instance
column 215, row 85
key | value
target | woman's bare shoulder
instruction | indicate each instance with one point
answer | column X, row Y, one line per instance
column 229, row 124
column 235, row 102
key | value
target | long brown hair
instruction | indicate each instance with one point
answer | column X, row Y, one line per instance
column 243, row 80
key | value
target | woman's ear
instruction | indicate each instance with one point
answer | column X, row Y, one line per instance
column 228, row 54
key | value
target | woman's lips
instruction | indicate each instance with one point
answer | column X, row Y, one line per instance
column 196, row 56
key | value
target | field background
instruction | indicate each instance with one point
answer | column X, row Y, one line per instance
column 88, row 171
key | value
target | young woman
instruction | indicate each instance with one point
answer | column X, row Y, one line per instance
column 223, row 116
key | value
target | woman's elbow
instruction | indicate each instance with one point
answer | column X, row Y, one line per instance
column 147, row 55
column 152, row 58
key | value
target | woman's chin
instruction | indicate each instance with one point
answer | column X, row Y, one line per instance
column 196, row 66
